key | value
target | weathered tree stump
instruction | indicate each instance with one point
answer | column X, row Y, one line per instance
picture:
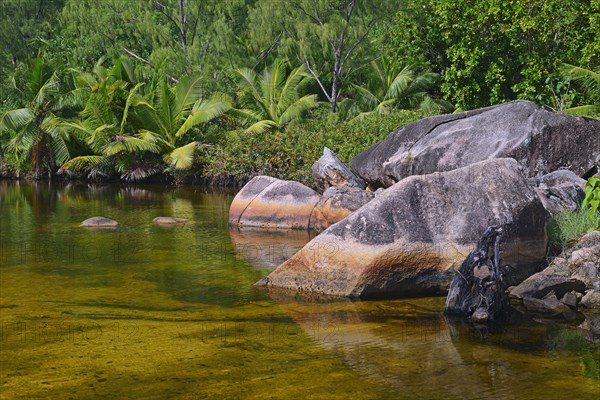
column 477, row 290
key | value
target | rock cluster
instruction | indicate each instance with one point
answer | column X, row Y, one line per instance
column 446, row 179
column 570, row 281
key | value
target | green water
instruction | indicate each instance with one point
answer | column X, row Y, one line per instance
column 153, row 312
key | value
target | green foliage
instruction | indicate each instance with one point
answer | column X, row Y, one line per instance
column 273, row 99
column 589, row 79
column 592, row 195
column 289, row 154
column 489, row 52
column 35, row 134
column 569, row 226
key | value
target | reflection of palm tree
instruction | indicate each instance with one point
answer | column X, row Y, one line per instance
column 271, row 100
column 36, row 132
column 590, row 80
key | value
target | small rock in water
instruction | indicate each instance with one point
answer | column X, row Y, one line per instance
column 99, row 222
column 549, row 305
column 480, row 315
column 169, row 220
column 569, row 299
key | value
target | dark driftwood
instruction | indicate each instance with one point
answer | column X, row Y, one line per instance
column 477, row 290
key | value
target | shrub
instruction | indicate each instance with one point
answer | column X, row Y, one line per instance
column 289, row 154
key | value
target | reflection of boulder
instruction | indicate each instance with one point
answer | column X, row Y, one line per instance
column 267, row 248
column 408, row 348
column 413, row 352
column 410, row 239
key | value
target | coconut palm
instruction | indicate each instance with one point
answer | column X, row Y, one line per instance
column 272, row 99
column 104, row 127
column 140, row 134
column 590, row 80
column 390, row 87
column 35, row 134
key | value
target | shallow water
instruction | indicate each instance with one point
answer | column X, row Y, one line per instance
column 153, row 312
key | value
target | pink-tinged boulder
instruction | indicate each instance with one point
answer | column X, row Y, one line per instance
column 272, row 203
column 410, row 239
column 336, row 204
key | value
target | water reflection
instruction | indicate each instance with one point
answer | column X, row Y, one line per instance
column 412, row 347
column 266, row 249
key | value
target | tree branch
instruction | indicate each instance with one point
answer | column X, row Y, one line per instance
column 132, row 54
column 310, row 70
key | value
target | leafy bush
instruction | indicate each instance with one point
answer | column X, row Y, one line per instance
column 289, row 154
column 592, row 195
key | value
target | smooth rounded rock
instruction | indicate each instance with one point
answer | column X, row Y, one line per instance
column 99, row 222
column 169, row 220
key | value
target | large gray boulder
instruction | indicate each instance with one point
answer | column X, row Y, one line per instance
column 560, row 191
column 272, row 203
column 329, row 171
column 410, row 239
column 336, row 204
column 541, row 141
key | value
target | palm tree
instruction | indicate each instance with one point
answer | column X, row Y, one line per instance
column 390, row 87
column 35, row 133
column 174, row 111
column 590, row 80
column 138, row 134
column 272, row 100
column 104, row 127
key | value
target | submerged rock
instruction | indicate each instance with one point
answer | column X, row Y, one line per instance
column 410, row 239
column 169, row 220
column 329, row 171
column 99, row 222
column 541, row 141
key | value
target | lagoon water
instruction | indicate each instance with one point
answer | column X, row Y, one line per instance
column 156, row 312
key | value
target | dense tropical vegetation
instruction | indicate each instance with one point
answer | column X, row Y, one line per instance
column 222, row 90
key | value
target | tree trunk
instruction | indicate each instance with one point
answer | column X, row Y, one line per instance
column 477, row 290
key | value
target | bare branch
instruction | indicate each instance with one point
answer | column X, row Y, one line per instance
column 132, row 54
column 310, row 70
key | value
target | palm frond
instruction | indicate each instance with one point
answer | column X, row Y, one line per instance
column 296, row 109
column 187, row 92
column 204, row 111
column 129, row 144
column 182, row 157
column 15, row 119
column 262, row 126
column 83, row 162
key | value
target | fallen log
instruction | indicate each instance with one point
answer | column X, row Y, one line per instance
column 477, row 290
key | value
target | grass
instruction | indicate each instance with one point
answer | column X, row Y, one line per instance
column 569, row 226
